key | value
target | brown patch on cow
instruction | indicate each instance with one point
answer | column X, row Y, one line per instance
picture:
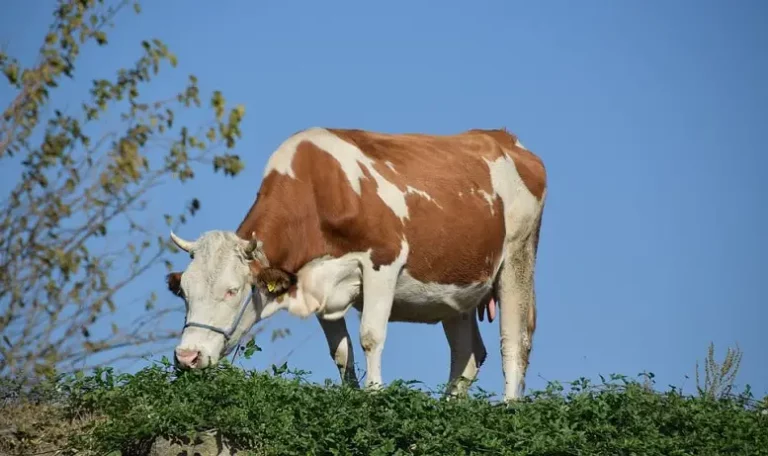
column 256, row 268
column 451, row 236
column 280, row 281
column 174, row 283
column 284, row 217
column 318, row 213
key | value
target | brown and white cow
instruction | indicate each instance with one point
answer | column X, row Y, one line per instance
column 402, row 227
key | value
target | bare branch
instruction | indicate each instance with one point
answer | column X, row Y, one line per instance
column 76, row 235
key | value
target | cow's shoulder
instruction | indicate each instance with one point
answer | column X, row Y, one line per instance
column 322, row 196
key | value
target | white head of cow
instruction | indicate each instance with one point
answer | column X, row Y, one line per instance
column 227, row 288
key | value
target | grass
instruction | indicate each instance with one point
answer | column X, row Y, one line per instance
column 280, row 413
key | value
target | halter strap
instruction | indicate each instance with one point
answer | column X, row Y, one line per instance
column 227, row 333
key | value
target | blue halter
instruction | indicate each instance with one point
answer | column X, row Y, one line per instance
column 227, row 333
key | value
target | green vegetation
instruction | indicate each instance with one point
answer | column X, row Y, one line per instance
column 280, row 413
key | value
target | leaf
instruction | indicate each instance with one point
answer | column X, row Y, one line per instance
column 249, row 352
column 283, row 368
column 217, row 101
column 251, row 348
column 101, row 37
column 12, row 73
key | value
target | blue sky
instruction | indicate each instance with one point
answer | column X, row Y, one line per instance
column 649, row 116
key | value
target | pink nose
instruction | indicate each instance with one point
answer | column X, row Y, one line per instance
column 187, row 358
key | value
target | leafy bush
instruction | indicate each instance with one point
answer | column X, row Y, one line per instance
column 280, row 413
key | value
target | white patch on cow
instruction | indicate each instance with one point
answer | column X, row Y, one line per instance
column 350, row 158
column 519, row 144
column 428, row 302
column 390, row 165
column 332, row 283
column 519, row 203
column 392, row 197
column 416, row 191
column 281, row 160
column 421, row 193
column 489, row 198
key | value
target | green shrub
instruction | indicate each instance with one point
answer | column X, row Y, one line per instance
column 280, row 413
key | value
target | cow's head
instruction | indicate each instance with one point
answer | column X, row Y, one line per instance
column 227, row 288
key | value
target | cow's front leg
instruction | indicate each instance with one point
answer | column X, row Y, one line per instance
column 340, row 346
column 378, row 294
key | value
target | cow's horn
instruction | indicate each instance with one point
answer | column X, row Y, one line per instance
column 181, row 243
column 253, row 246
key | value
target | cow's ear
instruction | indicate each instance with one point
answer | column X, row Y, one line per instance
column 275, row 281
column 174, row 283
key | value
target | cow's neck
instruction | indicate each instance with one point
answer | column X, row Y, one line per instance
column 286, row 222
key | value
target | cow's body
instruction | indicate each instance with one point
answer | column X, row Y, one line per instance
column 406, row 227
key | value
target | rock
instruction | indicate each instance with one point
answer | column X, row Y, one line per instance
column 206, row 444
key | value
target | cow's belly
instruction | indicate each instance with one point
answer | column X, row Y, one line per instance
column 420, row 302
column 336, row 284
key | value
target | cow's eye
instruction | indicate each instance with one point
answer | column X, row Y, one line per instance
column 231, row 293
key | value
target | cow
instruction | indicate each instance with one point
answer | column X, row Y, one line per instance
column 404, row 227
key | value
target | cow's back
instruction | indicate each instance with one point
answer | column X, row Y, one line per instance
column 455, row 228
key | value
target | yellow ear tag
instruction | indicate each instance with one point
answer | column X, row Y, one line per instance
column 271, row 286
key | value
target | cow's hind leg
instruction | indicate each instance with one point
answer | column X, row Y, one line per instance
column 467, row 352
column 340, row 346
column 517, row 307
